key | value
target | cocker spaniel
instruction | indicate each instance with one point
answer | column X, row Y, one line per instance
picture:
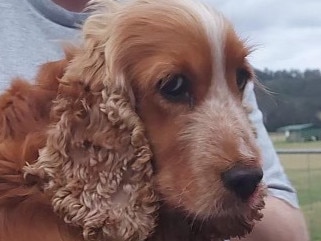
column 138, row 134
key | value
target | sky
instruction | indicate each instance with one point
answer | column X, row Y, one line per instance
column 286, row 33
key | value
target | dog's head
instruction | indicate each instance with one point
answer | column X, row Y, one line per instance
column 177, row 70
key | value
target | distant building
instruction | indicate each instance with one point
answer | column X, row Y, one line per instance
column 301, row 133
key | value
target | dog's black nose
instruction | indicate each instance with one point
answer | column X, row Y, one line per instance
column 242, row 180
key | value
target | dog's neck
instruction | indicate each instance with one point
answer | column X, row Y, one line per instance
column 173, row 225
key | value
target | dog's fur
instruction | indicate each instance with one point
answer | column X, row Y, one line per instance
column 88, row 113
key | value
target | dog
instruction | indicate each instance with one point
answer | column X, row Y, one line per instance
column 143, row 135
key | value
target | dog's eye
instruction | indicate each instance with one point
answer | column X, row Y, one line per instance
column 175, row 88
column 242, row 77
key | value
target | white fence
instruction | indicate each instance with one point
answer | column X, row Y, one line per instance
column 298, row 151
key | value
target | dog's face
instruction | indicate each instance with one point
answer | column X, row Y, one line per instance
column 188, row 70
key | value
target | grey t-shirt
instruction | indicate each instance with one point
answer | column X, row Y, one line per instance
column 32, row 32
column 274, row 176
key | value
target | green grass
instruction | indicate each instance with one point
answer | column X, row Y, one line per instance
column 296, row 145
column 304, row 171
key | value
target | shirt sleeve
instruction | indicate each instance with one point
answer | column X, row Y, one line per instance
column 274, row 176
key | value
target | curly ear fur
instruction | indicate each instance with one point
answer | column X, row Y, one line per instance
column 96, row 165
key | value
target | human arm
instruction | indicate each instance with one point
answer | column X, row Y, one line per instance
column 281, row 222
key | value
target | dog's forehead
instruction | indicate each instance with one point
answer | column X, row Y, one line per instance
column 227, row 50
column 188, row 17
column 156, row 36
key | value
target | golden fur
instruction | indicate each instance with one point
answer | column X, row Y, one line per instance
column 98, row 117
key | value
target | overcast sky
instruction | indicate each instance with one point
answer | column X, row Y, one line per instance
column 287, row 33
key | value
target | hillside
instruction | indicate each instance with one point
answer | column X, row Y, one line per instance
column 294, row 97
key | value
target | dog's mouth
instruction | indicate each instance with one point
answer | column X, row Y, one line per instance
column 256, row 197
column 232, row 216
column 236, row 221
column 239, row 217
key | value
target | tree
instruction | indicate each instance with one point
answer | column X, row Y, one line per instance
column 292, row 97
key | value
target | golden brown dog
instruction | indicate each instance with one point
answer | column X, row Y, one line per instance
column 165, row 75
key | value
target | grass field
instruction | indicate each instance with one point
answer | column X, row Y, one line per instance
column 304, row 170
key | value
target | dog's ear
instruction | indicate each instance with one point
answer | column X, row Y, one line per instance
column 96, row 165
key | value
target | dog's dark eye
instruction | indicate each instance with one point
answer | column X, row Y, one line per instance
column 175, row 88
column 242, row 77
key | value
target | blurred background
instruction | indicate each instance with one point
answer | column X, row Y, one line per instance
column 286, row 36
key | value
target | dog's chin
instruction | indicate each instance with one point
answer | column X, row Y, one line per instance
column 224, row 227
column 230, row 216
